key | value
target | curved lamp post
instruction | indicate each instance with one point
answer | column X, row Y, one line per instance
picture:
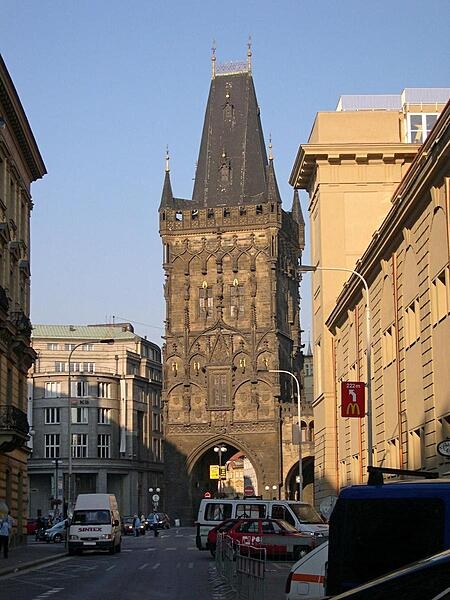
column 311, row 268
column 299, row 410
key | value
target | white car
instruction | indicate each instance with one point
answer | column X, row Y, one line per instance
column 306, row 580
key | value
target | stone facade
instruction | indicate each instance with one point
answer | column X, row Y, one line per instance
column 20, row 165
column 354, row 160
column 232, row 306
column 116, row 417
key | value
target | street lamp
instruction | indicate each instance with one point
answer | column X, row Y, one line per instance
column 69, row 396
column 220, row 450
column 299, row 410
column 155, row 497
column 311, row 268
column 274, row 490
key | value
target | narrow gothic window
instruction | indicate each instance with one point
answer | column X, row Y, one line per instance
column 236, row 301
column 205, row 301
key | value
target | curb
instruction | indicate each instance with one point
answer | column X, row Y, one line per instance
column 32, row 563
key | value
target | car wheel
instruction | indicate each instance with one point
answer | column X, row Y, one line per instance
column 57, row 538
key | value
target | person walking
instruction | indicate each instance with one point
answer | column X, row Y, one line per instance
column 5, row 530
column 137, row 525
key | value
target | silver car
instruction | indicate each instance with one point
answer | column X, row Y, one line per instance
column 56, row 533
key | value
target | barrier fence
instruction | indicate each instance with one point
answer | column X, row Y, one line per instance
column 243, row 568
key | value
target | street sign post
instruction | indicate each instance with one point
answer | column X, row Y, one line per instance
column 353, row 399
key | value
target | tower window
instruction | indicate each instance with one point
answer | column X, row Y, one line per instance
column 259, row 209
column 219, row 389
column 205, row 301
column 236, row 301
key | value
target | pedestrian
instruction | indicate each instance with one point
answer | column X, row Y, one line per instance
column 155, row 524
column 136, row 525
column 5, row 530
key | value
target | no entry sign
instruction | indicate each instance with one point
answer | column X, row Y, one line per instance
column 353, row 399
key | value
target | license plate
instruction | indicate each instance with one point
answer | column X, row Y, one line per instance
column 89, row 543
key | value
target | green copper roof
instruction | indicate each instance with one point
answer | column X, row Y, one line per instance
column 122, row 331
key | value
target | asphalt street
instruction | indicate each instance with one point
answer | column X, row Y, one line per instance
column 168, row 567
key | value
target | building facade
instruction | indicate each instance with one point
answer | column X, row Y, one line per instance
column 232, row 306
column 110, row 380
column 353, row 162
column 408, row 267
column 20, row 165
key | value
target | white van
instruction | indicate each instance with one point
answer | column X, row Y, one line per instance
column 301, row 515
column 306, row 580
column 95, row 524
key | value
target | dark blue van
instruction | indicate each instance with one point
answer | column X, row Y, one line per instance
column 375, row 529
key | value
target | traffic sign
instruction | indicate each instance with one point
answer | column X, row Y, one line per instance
column 155, row 498
column 207, row 495
column 223, row 472
column 214, row 471
column 353, row 399
column 249, row 490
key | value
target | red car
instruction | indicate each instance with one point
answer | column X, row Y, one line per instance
column 278, row 537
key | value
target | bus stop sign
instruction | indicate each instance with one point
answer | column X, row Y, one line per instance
column 353, row 399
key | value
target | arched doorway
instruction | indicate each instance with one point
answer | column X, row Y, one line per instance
column 291, row 484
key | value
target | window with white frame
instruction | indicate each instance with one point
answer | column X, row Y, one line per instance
column 52, row 346
column 60, row 366
column 420, row 125
column 104, row 389
column 412, row 323
column 89, row 367
column 52, row 389
column 87, row 347
column 440, row 292
column 79, row 445
column 52, row 445
column 79, row 414
column 103, row 417
column 69, row 347
column 103, row 445
column 52, row 415
column 79, row 389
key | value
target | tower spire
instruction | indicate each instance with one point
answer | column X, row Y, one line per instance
column 167, row 160
column 249, row 54
column 213, row 59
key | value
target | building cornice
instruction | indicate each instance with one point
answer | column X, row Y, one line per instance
column 310, row 154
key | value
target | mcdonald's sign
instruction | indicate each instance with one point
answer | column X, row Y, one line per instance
column 353, row 399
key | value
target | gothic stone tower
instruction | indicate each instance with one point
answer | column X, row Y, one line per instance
column 232, row 302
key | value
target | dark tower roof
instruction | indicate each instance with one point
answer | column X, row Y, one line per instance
column 232, row 161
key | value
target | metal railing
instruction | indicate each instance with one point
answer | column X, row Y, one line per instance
column 243, row 568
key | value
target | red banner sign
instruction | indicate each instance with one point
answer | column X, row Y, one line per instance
column 353, row 399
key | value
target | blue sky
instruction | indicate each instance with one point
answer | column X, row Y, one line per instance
column 108, row 84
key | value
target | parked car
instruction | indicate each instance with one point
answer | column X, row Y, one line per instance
column 161, row 519
column 57, row 533
column 211, row 541
column 306, row 579
column 278, row 537
column 426, row 579
column 128, row 526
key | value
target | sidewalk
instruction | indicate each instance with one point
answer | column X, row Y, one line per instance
column 31, row 554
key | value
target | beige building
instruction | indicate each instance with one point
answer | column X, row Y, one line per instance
column 20, row 165
column 353, row 162
column 114, row 391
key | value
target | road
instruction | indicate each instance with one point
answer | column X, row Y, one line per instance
column 168, row 567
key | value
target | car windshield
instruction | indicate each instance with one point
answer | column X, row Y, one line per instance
column 306, row 513
column 91, row 517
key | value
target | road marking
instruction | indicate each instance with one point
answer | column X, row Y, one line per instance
column 144, row 566
column 149, row 549
column 48, row 593
column 170, row 549
column 111, row 567
column 156, row 565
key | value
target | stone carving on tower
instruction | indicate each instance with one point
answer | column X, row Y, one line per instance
column 232, row 300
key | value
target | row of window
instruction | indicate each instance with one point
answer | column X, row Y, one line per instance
column 79, row 445
column 440, row 309
column 69, row 347
column 52, row 446
column 226, row 211
column 75, row 367
column 102, row 389
column 79, row 414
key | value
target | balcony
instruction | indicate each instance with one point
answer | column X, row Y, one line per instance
column 14, row 428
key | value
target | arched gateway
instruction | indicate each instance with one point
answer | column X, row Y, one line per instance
column 232, row 306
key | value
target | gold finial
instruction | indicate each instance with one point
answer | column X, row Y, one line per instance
column 270, row 148
column 213, row 59
column 249, row 54
column 167, row 160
